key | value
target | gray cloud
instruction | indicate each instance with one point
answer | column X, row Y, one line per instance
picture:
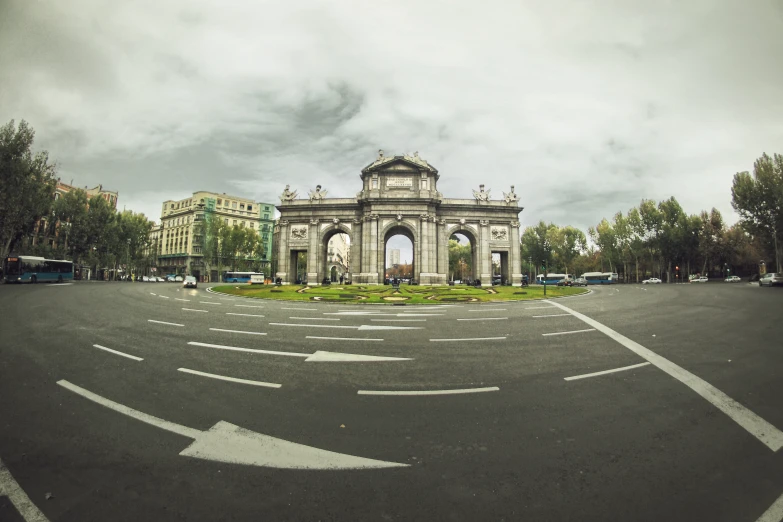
column 586, row 108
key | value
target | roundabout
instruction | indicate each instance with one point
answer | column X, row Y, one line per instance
column 150, row 401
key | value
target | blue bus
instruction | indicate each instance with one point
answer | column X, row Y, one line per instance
column 552, row 279
column 32, row 269
column 240, row 277
column 600, row 278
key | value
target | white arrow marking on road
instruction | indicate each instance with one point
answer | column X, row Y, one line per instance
column 10, row 488
column 226, row 442
column 318, row 356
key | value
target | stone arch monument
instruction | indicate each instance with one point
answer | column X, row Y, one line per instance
column 399, row 196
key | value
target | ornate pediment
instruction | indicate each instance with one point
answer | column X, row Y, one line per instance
column 409, row 163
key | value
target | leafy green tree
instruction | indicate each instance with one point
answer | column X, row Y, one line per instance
column 758, row 198
column 460, row 260
column 27, row 183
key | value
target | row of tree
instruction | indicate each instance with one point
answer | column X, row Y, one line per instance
column 662, row 240
column 227, row 246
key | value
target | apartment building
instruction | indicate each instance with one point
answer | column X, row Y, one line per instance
column 338, row 256
column 180, row 248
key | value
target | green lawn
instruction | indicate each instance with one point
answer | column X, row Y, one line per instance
column 386, row 294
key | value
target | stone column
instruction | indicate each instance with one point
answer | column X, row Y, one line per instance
column 423, row 266
column 515, row 257
column 313, row 252
column 443, row 252
column 485, row 254
column 283, row 257
column 374, row 243
column 357, row 230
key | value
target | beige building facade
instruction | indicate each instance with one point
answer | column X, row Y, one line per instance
column 179, row 243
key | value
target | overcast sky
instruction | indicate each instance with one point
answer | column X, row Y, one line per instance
column 587, row 107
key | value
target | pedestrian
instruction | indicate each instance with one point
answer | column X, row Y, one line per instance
column 341, row 278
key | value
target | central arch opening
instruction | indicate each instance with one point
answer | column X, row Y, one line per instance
column 335, row 257
column 463, row 261
column 399, row 255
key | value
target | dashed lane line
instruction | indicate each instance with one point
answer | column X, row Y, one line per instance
column 195, row 310
column 765, row 432
column 164, row 322
column 299, row 308
column 10, row 488
column 315, row 318
column 180, row 299
column 428, row 392
column 341, row 338
column 230, row 379
column 571, row 332
column 249, row 350
column 164, row 297
column 485, row 319
column 236, row 331
column 774, row 513
column 249, row 306
column 595, row 374
column 550, row 315
column 401, row 320
column 118, row 353
column 468, row 339
column 210, row 303
column 244, row 315
column 489, row 309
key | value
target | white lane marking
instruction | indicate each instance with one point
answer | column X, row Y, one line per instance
column 208, row 302
column 230, row 379
column 163, row 296
column 180, row 299
column 586, row 375
column 469, row 339
column 551, row 315
column 249, row 306
column 118, row 353
column 59, row 284
column 319, row 356
column 408, row 314
column 143, row 417
column 163, row 322
column 250, row 350
column 755, row 425
column 429, row 392
column 245, row 315
column 315, row 325
column 538, row 308
column 485, row 319
column 10, row 488
column 342, row 338
column 298, row 308
column 315, row 318
column 385, row 327
column 226, row 442
column 152, row 293
column 236, row 331
column 194, row 310
column 571, row 332
column 402, row 320
column 774, row 513
column 489, row 310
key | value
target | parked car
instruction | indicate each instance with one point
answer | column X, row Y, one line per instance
column 702, row 279
column 565, row 282
column 178, row 279
column 652, row 281
column 160, row 279
column 771, row 279
column 579, row 281
column 733, row 279
column 145, row 279
column 170, row 278
column 190, row 282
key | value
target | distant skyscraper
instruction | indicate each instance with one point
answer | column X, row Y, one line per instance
column 394, row 257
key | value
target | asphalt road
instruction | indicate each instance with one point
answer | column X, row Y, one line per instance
column 692, row 436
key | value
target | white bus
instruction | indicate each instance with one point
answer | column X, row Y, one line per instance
column 240, row 277
column 552, row 279
column 600, row 278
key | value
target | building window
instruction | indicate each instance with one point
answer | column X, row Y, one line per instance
column 220, row 202
column 242, row 224
column 241, row 206
column 172, row 206
column 252, row 225
column 266, row 208
column 266, row 216
column 233, row 204
column 249, row 208
column 235, row 222
column 375, row 183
